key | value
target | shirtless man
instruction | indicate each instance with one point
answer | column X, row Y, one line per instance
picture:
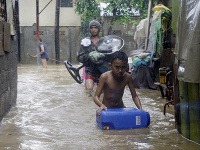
column 112, row 84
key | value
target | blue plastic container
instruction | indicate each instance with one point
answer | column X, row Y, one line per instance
column 123, row 118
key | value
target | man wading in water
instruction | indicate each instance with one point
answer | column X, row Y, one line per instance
column 91, row 59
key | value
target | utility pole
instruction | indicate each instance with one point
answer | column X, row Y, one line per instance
column 57, row 40
column 37, row 29
column 37, row 26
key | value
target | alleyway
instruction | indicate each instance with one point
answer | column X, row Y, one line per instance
column 54, row 113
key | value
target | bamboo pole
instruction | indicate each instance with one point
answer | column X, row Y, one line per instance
column 148, row 22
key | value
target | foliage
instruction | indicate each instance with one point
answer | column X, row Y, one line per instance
column 121, row 10
column 88, row 9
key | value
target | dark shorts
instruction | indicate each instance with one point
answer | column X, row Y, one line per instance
column 44, row 56
column 94, row 71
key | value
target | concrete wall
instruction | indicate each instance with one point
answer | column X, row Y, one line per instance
column 69, row 43
column 8, row 75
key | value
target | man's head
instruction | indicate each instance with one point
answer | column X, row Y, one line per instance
column 119, row 55
column 95, row 27
column 119, row 63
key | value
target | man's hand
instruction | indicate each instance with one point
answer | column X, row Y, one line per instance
column 96, row 57
column 103, row 107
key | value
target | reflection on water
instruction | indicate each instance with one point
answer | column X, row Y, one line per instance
column 54, row 113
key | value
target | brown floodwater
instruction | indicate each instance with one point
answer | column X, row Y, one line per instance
column 54, row 113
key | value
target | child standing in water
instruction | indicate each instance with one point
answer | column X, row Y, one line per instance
column 43, row 53
column 112, row 84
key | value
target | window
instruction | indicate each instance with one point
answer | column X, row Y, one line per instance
column 66, row 3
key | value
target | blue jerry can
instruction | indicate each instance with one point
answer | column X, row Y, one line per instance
column 123, row 118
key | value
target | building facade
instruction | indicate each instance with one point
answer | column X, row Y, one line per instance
column 69, row 28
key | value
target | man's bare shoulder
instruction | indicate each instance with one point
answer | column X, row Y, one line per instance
column 106, row 74
column 128, row 76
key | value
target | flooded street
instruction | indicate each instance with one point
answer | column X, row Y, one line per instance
column 54, row 113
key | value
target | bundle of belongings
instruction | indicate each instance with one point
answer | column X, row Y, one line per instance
column 141, row 68
column 145, row 64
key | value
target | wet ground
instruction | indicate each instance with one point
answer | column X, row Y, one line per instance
column 54, row 113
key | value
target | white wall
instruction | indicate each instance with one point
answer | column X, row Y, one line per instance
column 27, row 14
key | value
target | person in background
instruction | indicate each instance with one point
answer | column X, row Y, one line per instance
column 91, row 59
column 112, row 84
column 43, row 52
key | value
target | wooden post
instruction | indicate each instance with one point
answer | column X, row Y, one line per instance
column 57, row 40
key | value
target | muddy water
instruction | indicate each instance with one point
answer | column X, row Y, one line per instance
column 54, row 113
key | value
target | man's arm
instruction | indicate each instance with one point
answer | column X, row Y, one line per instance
column 133, row 92
column 98, row 92
column 84, row 51
column 83, row 56
column 42, row 49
